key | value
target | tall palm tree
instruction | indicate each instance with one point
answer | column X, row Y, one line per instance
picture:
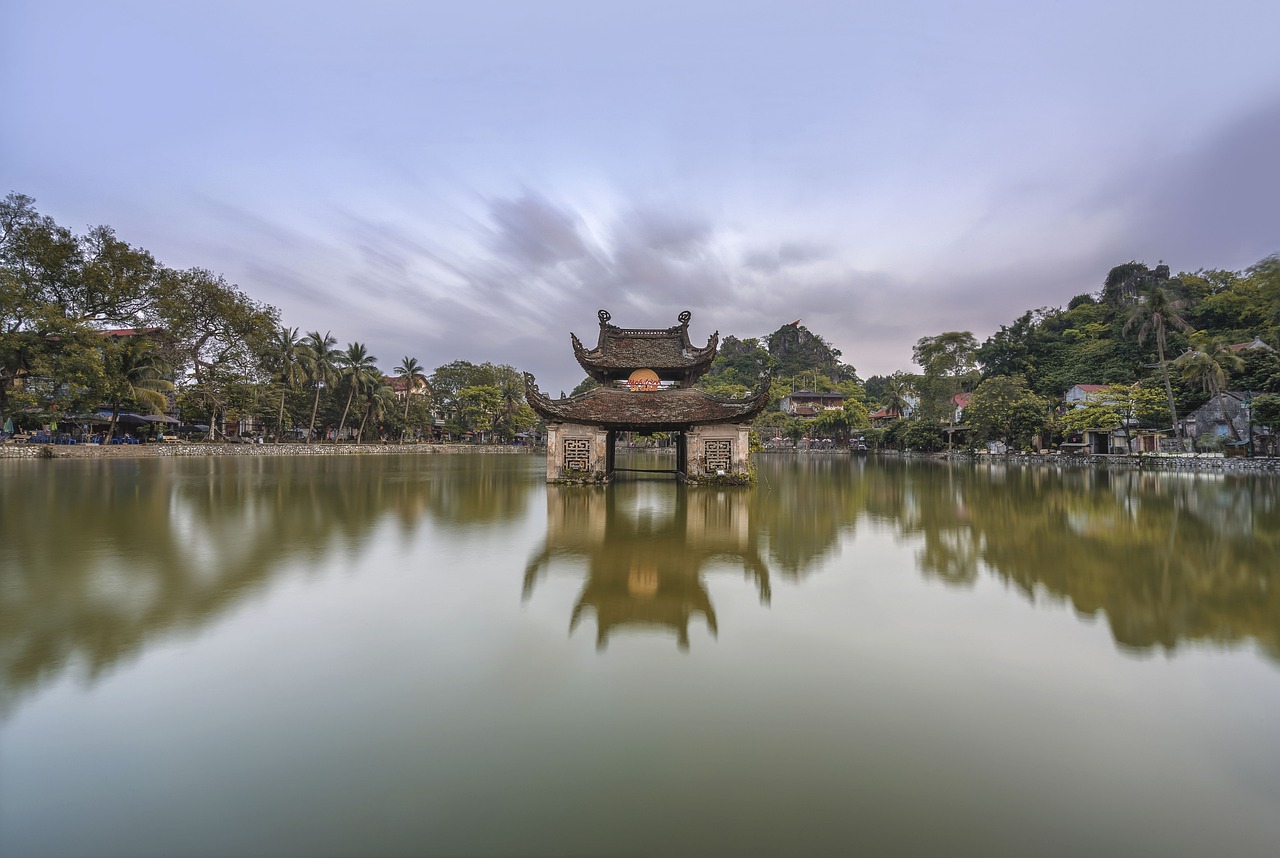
column 380, row 396
column 1153, row 314
column 1207, row 365
column 896, row 390
column 287, row 354
column 319, row 362
column 412, row 373
column 136, row 373
column 355, row 364
column 511, row 388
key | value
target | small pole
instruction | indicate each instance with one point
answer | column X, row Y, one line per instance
column 1248, row 411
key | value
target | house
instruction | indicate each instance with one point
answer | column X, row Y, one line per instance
column 886, row 414
column 1207, row 422
column 960, row 402
column 400, row 384
column 1255, row 343
column 806, row 403
column 124, row 333
column 1078, row 395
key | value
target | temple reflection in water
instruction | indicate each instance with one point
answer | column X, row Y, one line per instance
column 647, row 548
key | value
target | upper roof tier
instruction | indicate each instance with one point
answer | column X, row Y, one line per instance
column 666, row 351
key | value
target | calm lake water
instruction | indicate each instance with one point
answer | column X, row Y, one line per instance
column 441, row 655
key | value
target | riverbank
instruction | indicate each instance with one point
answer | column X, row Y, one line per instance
column 1188, row 462
column 153, row 451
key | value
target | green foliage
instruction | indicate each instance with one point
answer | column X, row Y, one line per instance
column 479, row 407
column 795, row 350
column 948, row 361
column 1265, row 411
column 921, row 434
column 136, row 375
column 1004, row 408
column 1117, row 406
column 583, row 386
column 739, row 363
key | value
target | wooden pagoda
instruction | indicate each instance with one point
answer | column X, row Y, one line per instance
column 646, row 378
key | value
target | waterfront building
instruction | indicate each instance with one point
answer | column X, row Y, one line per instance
column 646, row 378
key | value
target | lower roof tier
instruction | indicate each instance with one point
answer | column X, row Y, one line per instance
column 640, row 410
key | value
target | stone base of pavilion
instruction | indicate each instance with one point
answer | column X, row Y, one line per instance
column 717, row 453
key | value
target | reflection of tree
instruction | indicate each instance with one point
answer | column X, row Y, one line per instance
column 646, row 546
column 107, row 555
column 804, row 503
column 1168, row 558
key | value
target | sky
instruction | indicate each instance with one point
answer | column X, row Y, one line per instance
column 475, row 180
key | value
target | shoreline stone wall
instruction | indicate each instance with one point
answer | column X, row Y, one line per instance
column 1199, row 462
column 153, row 451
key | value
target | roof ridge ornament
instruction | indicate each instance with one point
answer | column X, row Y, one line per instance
column 604, row 317
column 684, row 317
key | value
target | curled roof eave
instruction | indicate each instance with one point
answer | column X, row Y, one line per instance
column 665, row 350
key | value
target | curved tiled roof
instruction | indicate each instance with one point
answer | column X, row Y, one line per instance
column 654, row 410
column 666, row 351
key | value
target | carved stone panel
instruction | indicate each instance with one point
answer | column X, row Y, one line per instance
column 719, row 455
column 577, row 454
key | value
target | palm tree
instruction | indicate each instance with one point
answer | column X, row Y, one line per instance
column 897, row 389
column 135, row 372
column 355, row 362
column 318, row 360
column 1207, row 365
column 381, row 396
column 1153, row 314
column 287, row 354
column 412, row 373
column 511, row 386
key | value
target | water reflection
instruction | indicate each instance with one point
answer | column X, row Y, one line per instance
column 646, row 547
column 99, row 556
column 1167, row 558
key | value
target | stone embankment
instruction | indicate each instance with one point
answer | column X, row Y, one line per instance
column 150, row 451
column 1188, row 462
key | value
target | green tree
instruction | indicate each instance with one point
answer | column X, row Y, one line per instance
column 947, row 361
column 412, row 373
column 1265, row 411
column 1116, row 406
column 380, row 398
column 839, row 423
column 1207, row 365
column 898, row 390
column 135, row 373
column 479, row 407
column 286, row 359
column 320, row 364
column 1004, row 408
column 1153, row 315
column 794, row 349
column 215, row 335
column 356, row 367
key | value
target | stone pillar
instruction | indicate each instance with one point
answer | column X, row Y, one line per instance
column 719, row 452
column 576, row 453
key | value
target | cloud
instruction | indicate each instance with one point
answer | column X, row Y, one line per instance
column 1219, row 205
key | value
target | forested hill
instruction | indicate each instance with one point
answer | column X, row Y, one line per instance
column 795, row 356
column 1111, row 336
